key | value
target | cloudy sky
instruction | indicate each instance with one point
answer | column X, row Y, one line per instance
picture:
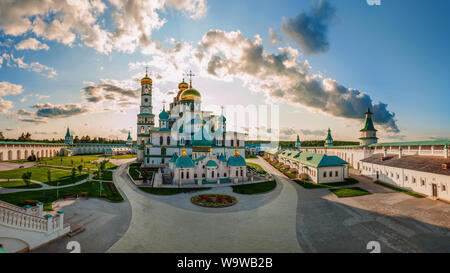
column 78, row 63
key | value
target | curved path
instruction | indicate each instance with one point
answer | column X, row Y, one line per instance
column 159, row 226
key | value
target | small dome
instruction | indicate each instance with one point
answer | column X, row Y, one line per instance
column 190, row 94
column 146, row 80
column 164, row 115
column 183, row 86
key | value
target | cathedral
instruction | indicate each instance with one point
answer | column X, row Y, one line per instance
column 192, row 144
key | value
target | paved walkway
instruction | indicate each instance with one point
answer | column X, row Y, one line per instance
column 44, row 186
column 161, row 226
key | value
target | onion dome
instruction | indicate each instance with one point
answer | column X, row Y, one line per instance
column 222, row 158
column 163, row 115
column 212, row 164
column 183, row 86
column 190, row 94
column 236, row 160
column 184, row 161
column 146, row 79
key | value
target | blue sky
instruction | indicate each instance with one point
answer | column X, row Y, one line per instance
column 395, row 53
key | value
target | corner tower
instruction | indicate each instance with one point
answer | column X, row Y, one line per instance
column 145, row 118
column 329, row 139
column 368, row 133
column 69, row 138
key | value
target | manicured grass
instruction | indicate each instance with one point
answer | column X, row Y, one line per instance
column 48, row 196
column 171, row 191
column 83, row 160
column 106, row 175
column 283, row 170
column 18, row 184
column 349, row 192
column 127, row 156
column 58, row 176
column 310, row 185
column 135, row 170
column 257, row 168
column 251, row 157
column 398, row 189
column 256, row 188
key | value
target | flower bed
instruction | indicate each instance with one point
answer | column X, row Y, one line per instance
column 214, row 200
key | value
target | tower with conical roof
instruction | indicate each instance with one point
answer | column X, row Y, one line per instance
column 368, row 133
column 329, row 139
column 129, row 139
column 298, row 144
column 68, row 138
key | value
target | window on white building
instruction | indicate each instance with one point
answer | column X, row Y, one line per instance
column 324, row 174
column 444, row 187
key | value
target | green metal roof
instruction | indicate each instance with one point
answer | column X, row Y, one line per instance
column 164, row 115
column 222, row 158
column 368, row 124
column 316, row 160
column 174, row 158
column 3, row 251
column 202, row 138
column 211, row 163
column 329, row 135
column 236, row 161
column 68, row 132
column 184, row 162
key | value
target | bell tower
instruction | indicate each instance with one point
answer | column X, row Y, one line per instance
column 146, row 118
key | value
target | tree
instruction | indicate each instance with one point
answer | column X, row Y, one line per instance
column 49, row 176
column 26, row 178
column 74, row 172
column 1, row 135
column 80, row 168
column 71, row 161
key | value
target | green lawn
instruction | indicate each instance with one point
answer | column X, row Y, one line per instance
column 256, row 167
column 251, row 157
column 134, row 170
column 48, row 196
column 58, row 176
column 106, row 175
column 171, row 191
column 18, row 184
column 349, row 192
column 77, row 160
column 255, row 188
column 398, row 189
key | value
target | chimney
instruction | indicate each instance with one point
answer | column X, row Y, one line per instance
column 400, row 152
column 385, row 152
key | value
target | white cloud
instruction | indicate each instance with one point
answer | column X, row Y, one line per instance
column 65, row 21
column 37, row 67
column 7, row 88
column 31, row 44
column 281, row 76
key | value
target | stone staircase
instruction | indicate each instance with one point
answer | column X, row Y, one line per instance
column 27, row 227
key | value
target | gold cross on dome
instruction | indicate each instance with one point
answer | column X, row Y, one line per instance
column 190, row 75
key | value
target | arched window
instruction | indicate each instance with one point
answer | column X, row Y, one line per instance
column 237, row 173
column 187, row 175
column 237, row 142
column 182, row 175
column 232, row 143
column 168, row 140
column 224, row 174
column 212, row 174
column 324, row 174
column 142, row 129
column 242, row 172
column 161, row 140
column 331, row 174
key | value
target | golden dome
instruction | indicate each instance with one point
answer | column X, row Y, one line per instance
column 183, row 86
column 146, row 80
column 190, row 94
